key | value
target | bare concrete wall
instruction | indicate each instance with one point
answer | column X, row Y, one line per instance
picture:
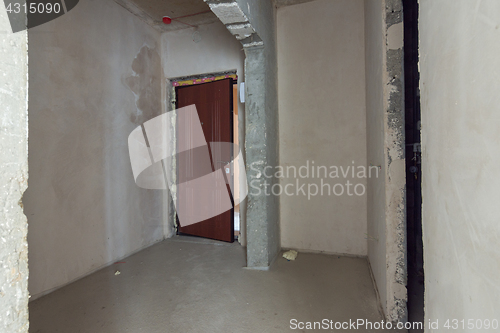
column 459, row 47
column 385, row 149
column 95, row 76
column 13, row 177
column 321, row 63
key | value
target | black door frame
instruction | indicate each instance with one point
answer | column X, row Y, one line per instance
column 415, row 260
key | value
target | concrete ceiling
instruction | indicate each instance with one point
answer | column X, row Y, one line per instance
column 152, row 12
column 283, row 3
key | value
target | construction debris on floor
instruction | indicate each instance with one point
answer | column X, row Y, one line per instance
column 290, row 255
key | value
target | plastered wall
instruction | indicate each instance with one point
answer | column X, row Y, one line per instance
column 321, row 72
column 95, row 76
column 215, row 51
column 460, row 163
column 375, row 97
column 13, row 177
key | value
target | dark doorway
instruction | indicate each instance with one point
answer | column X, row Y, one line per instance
column 214, row 104
column 413, row 165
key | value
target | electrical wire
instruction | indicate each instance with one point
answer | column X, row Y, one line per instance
column 206, row 11
column 177, row 18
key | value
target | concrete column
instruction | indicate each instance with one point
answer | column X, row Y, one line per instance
column 253, row 23
column 262, row 209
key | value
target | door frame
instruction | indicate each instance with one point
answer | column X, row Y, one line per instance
column 413, row 138
column 172, row 85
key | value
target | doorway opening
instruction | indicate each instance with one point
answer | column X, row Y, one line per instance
column 415, row 265
column 216, row 107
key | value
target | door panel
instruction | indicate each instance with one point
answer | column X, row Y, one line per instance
column 214, row 106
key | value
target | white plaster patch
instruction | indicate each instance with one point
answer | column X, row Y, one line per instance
column 241, row 31
column 261, row 43
column 395, row 36
column 228, row 13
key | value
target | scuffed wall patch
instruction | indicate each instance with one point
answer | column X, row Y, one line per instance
column 395, row 112
column 145, row 83
column 394, row 12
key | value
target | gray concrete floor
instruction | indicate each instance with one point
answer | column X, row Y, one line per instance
column 187, row 284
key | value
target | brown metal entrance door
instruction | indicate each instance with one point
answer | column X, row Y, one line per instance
column 214, row 105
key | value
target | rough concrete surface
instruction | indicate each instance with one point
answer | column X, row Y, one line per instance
column 13, row 177
column 395, row 165
column 262, row 142
column 385, row 142
column 261, row 121
column 192, row 285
